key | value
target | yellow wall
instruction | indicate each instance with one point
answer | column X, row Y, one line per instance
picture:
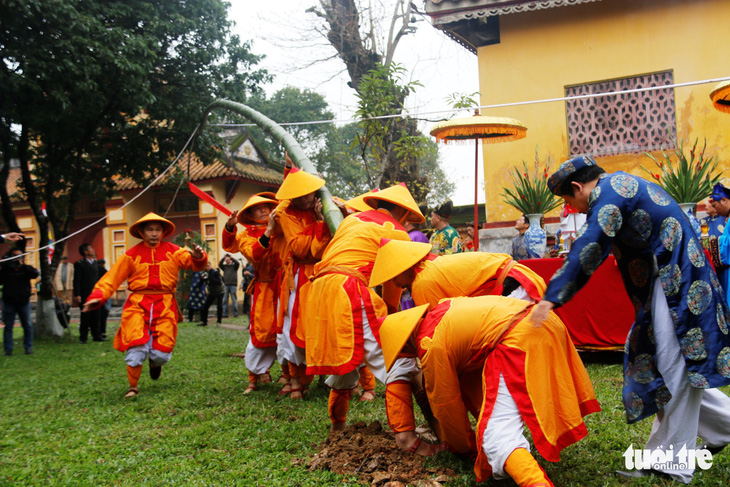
column 542, row 52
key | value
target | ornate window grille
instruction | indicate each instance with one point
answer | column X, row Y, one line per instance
column 624, row 123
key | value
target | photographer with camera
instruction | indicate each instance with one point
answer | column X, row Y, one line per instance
column 15, row 276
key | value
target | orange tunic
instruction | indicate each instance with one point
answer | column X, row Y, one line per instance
column 543, row 372
column 266, row 262
column 339, row 294
column 151, row 308
column 306, row 239
column 470, row 274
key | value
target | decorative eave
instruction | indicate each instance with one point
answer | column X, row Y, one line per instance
column 475, row 23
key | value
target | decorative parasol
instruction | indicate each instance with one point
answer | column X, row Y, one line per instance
column 720, row 97
column 490, row 130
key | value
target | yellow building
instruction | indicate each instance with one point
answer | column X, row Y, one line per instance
column 545, row 49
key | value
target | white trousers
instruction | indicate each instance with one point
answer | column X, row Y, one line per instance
column 691, row 411
column 285, row 348
column 504, row 432
column 403, row 368
column 259, row 360
column 135, row 356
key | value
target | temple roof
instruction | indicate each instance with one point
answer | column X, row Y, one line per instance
column 446, row 11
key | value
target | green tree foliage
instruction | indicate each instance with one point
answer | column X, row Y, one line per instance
column 90, row 90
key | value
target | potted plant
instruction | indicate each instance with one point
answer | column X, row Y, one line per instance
column 686, row 178
column 530, row 195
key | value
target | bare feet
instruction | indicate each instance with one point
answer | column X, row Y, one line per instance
column 367, row 396
column 251, row 387
column 132, row 392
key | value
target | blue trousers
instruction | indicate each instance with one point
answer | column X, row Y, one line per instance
column 230, row 291
column 23, row 312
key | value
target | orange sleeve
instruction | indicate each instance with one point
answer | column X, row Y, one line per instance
column 444, row 395
column 111, row 281
column 230, row 240
column 305, row 241
column 185, row 260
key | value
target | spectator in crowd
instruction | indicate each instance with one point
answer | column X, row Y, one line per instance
column 445, row 239
column 15, row 277
column 216, row 290
column 248, row 275
column 86, row 274
column 196, row 298
column 11, row 237
column 64, row 280
column 230, row 266
column 519, row 248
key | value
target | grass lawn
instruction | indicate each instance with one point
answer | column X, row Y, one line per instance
column 64, row 422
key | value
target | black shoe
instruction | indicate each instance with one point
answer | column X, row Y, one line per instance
column 8, row 353
column 100, row 340
column 155, row 371
column 202, row 324
column 28, row 351
column 82, row 342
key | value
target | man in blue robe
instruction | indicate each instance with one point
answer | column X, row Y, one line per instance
column 719, row 246
column 678, row 350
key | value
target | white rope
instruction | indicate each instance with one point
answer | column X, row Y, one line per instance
column 499, row 105
column 122, row 207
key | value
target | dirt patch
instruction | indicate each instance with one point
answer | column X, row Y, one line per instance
column 370, row 453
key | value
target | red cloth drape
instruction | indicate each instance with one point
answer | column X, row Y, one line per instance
column 601, row 314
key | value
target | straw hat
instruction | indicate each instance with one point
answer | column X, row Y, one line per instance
column 254, row 200
column 167, row 226
column 358, row 202
column 395, row 257
column 298, row 183
column 399, row 195
column 267, row 194
column 396, row 329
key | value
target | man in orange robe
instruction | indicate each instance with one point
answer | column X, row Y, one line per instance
column 150, row 316
column 306, row 235
column 431, row 278
column 341, row 312
column 255, row 242
column 530, row 376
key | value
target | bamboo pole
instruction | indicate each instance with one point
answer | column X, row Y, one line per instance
column 330, row 211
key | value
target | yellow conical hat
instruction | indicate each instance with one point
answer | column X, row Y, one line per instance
column 298, row 183
column 396, row 329
column 395, row 257
column 267, row 194
column 136, row 229
column 253, row 201
column 358, row 202
column 399, row 195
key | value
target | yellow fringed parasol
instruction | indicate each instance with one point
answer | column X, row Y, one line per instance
column 720, row 97
column 490, row 130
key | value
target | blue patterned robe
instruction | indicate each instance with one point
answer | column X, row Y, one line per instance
column 643, row 224
column 519, row 248
column 715, row 225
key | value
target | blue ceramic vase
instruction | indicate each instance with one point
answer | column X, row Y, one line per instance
column 535, row 237
column 689, row 210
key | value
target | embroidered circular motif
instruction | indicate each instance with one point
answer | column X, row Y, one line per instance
column 567, row 292
column 658, row 195
column 693, row 345
column 723, row 362
column 650, row 333
column 560, row 271
column 625, row 186
column 632, row 340
column 671, row 278
column 697, row 380
column 699, row 297
column 640, row 225
column 637, row 304
column 610, row 220
column 595, row 194
column 634, row 407
column 721, row 228
column 639, row 272
column 696, row 255
column 663, row 396
column 643, row 369
column 590, row 258
column 675, row 317
column 670, row 232
column 581, row 231
column 715, row 283
column 721, row 321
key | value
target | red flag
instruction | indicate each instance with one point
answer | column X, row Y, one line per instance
column 208, row 199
